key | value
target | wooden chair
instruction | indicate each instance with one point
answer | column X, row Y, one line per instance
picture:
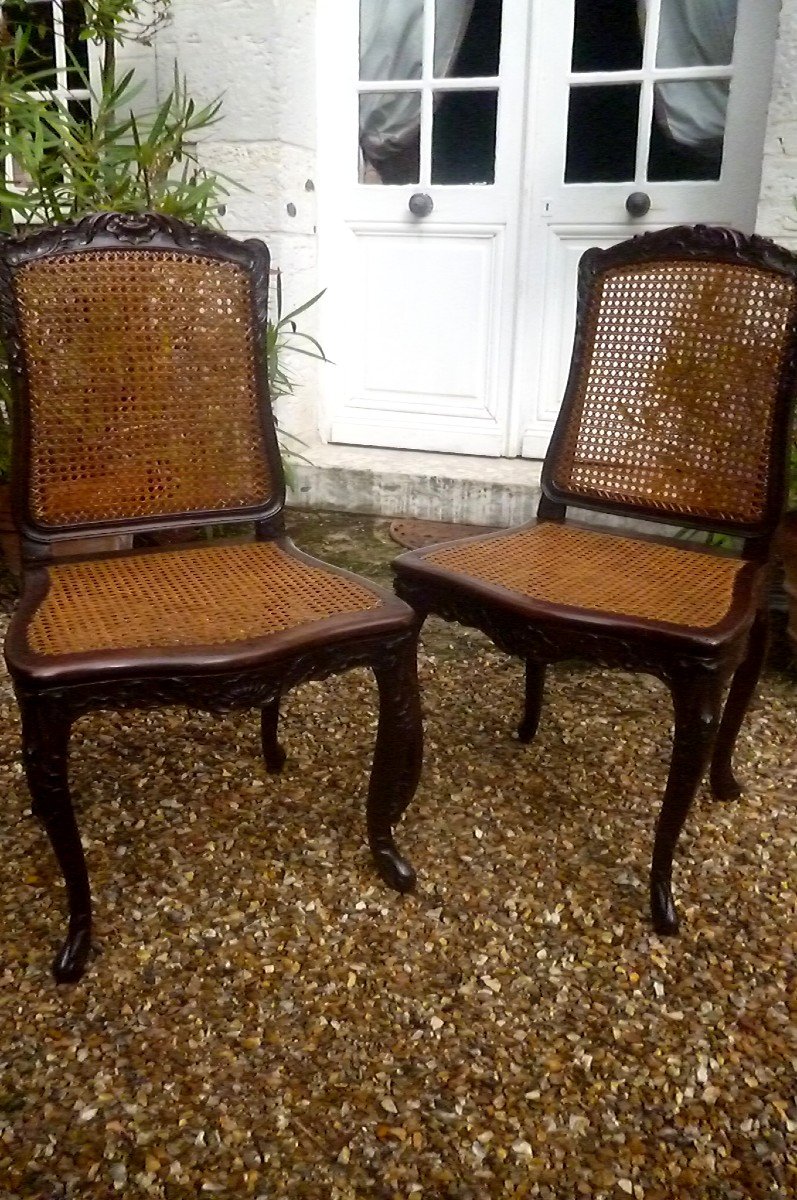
column 141, row 404
column 676, row 411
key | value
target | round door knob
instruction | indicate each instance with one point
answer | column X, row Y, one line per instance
column 421, row 204
column 637, row 204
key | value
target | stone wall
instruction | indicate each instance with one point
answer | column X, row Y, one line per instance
column 777, row 214
column 259, row 55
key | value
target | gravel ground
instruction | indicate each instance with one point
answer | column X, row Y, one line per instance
column 264, row 1018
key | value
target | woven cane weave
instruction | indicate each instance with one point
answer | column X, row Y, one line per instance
column 674, row 403
column 193, row 597
column 586, row 569
column 142, row 392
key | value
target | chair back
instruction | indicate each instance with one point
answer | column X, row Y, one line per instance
column 136, row 350
column 683, row 372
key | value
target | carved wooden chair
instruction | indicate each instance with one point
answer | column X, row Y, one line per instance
column 676, row 411
column 141, row 404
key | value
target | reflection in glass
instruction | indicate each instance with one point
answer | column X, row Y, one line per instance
column 391, row 39
column 390, row 137
column 77, row 58
column 602, row 133
column 467, row 38
column 607, row 36
column 80, row 110
column 688, row 127
column 38, row 53
column 463, row 137
column 696, row 35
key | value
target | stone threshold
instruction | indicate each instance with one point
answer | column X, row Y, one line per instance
column 456, row 488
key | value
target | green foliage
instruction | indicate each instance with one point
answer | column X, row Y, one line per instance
column 284, row 336
column 121, row 20
column 66, row 165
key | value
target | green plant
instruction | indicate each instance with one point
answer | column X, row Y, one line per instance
column 283, row 339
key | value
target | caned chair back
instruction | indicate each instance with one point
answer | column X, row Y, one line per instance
column 683, row 373
column 136, row 346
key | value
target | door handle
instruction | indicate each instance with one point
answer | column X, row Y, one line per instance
column 637, row 204
column 420, row 204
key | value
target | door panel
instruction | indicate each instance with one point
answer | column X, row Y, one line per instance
column 414, row 364
column 420, row 310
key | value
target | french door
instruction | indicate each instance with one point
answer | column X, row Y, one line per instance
column 470, row 151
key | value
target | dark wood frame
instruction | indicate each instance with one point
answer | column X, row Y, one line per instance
column 696, row 664
column 53, row 692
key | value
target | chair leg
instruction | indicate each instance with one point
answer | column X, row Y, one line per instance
column 697, row 699
column 45, row 748
column 397, row 761
column 535, row 685
column 273, row 753
column 724, row 784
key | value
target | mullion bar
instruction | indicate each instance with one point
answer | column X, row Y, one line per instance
column 645, row 118
column 62, row 93
column 427, row 94
column 657, row 75
column 465, row 83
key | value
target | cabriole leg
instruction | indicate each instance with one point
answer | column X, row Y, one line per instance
column 697, row 699
column 397, row 761
column 724, row 784
column 46, row 724
column 535, row 685
column 273, row 753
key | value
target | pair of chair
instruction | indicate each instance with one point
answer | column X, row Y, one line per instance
column 141, row 404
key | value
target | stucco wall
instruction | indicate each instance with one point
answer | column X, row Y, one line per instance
column 777, row 213
column 259, row 55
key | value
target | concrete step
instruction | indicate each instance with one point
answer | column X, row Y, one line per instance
column 434, row 487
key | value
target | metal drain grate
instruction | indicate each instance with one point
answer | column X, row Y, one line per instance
column 413, row 533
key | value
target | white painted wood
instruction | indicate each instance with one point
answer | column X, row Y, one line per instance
column 428, row 372
column 420, row 312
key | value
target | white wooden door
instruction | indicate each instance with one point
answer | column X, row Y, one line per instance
column 652, row 106
column 518, row 130
column 420, row 109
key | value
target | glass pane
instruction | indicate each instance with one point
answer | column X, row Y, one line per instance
column 77, row 52
column 80, row 110
column 390, row 137
column 601, row 133
column 688, row 128
column 467, row 39
column 607, row 36
column 391, row 39
column 39, row 53
column 463, row 137
column 696, row 35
